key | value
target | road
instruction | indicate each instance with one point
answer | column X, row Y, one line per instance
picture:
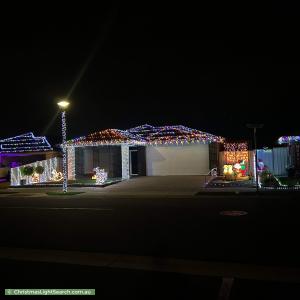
column 168, row 227
column 190, row 228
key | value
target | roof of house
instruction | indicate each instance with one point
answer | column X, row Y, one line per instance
column 173, row 134
column 107, row 136
column 289, row 139
column 25, row 143
column 147, row 134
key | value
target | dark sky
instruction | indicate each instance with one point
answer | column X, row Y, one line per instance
column 211, row 67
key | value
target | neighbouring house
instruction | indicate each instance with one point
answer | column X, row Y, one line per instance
column 145, row 151
column 24, row 149
column 276, row 159
column 282, row 158
column 292, row 143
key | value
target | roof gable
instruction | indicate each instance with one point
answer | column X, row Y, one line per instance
column 146, row 134
column 107, row 136
column 173, row 134
column 26, row 142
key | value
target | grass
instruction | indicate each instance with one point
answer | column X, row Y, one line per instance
column 63, row 194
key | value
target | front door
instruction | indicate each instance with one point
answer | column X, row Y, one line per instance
column 134, row 162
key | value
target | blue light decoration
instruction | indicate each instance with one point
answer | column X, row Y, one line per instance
column 25, row 143
column 147, row 135
column 289, row 139
column 176, row 134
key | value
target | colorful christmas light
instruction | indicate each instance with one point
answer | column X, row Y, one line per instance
column 233, row 147
column 147, row 135
column 177, row 134
column 107, row 137
column 289, row 139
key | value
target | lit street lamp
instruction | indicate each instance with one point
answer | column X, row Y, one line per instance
column 63, row 105
column 254, row 127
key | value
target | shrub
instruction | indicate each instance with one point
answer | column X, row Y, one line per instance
column 27, row 171
column 268, row 179
column 39, row 170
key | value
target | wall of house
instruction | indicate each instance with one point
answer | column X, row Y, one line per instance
column 189, row 159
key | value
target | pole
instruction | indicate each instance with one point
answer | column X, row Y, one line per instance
column 64, row 148
column 256, row 162
column 255, row 126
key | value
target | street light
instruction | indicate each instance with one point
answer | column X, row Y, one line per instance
column 254, row 127
column 63, row 105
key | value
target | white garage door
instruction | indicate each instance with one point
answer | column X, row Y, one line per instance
column 192, row 159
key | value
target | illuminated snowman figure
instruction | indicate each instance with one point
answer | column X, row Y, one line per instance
column 101, row 175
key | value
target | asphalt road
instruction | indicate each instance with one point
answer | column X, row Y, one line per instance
column 190, row 228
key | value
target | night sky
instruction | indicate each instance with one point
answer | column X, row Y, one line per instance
column 211, row 67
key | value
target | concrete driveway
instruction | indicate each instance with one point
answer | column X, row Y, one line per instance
column 158, row 185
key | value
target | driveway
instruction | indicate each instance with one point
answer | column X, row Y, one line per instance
column 158, row 185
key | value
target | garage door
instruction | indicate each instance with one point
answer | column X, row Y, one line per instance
column 192, row 159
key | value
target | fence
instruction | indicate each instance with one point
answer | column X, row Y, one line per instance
column 51, row 167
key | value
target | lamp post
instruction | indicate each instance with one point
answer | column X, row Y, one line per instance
column 63, row 105
column 254, row 127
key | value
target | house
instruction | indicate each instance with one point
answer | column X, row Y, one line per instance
column 293, row 147
column 145, row 151
column 24, row 149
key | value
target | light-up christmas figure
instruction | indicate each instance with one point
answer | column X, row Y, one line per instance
column 101, row 175
column 63, row 106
